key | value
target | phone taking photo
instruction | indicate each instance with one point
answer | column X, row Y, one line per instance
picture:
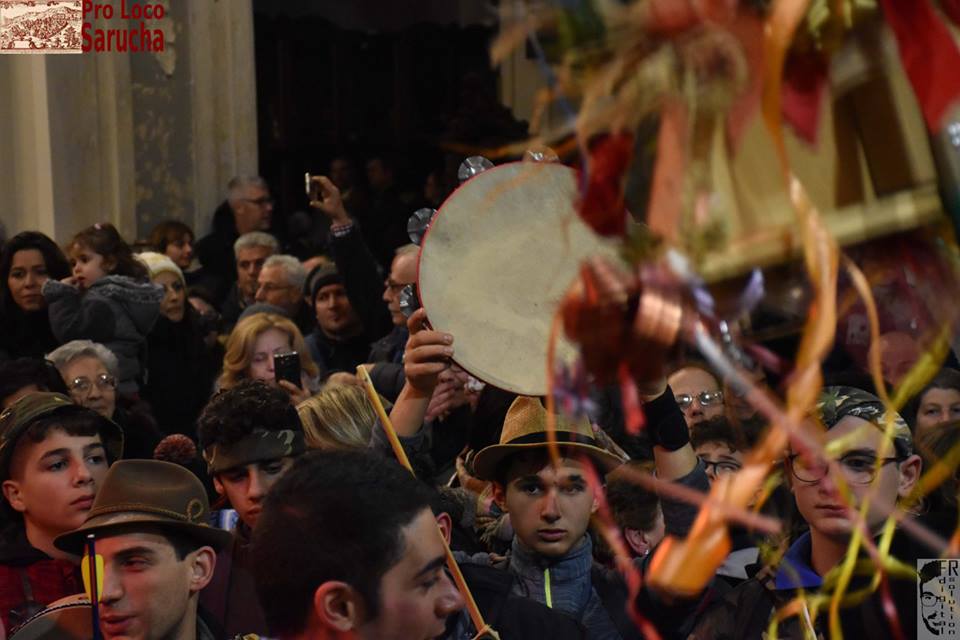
column 286, row 366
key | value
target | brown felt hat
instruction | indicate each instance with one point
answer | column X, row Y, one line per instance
column 148, row 492
column 525, row 428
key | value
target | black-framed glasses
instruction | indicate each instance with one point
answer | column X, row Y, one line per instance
column 83, row 384
column 721, row 467
column 857, row 468
column 706, row 399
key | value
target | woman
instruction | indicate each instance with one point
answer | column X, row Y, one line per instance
column 89, row 370
column 28, row 261
column 339, row 417
column 180, row 367
column 939, row 401
column 250, row 350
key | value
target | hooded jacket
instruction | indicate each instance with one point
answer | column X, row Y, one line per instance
column 116, row 311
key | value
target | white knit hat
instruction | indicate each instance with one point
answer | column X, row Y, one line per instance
column 158, row 263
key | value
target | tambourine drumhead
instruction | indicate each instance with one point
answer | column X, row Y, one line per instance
column 497, row 259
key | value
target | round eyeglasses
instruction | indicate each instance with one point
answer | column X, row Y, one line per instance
column 705, row 398
column 83, row 385
column 857, row 468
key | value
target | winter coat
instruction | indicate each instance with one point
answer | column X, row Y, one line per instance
column 231, row 597
column 116, row 311
column 332, row 355
column 25, row 335
column 30, row 579
column 745, row 612
column 180, row 373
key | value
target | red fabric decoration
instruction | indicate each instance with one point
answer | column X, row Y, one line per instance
column 601, row 202
column 952, row 9
column 929, row 56
column 804, row 85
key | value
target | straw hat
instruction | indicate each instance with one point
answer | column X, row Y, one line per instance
column 525, row 428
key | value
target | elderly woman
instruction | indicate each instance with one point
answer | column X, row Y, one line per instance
column 250, row 352
column 27, row 261
column 89, row 370
column 180, row 366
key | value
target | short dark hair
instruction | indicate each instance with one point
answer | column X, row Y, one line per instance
column 235, row 413
column 168, row 232
column 633, row 506
column 334, row 515
column 738, row 437
column 23, row 372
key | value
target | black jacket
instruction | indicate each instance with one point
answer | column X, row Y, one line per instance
column 215, row 250
column 180, row 373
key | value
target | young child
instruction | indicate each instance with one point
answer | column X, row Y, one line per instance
column 108, row 299
column 53, row 458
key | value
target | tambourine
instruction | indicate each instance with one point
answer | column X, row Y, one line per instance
column 494, row 264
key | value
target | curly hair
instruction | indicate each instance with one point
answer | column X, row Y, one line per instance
column 104, row 239
column 239, row 350
column 234, row 413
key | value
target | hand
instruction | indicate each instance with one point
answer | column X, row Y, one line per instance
column 330, row 202
column 427, row 354
column 451, row 393
column 297, row 395
column 70, row 280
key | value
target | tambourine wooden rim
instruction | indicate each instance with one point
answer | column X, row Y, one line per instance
column 494, row 264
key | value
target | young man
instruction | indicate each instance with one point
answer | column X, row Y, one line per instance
column 550, row 506
column 150, row 526
column 54, row 456
column 349, row 548
column 867, row 463
column 339, row 342
column 250, row 435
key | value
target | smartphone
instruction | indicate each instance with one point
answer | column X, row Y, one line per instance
column 286, row 366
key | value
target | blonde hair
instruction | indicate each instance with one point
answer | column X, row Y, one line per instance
column 243, row 339
column 339, row 417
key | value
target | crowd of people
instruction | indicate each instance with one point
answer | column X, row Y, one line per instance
column 194, row 407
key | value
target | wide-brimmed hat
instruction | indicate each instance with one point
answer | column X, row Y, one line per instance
column 148, row 492
column 18, row 417
column 525, row 428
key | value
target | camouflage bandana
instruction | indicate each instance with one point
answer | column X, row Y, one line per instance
column 836, row 403
column 254, row 447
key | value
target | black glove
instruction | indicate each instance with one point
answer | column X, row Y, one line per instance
column 665, row 422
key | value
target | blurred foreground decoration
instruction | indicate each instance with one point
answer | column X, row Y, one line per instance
column 680, row 107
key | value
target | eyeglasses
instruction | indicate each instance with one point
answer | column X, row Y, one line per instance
column 857, row 468
column 929, row 599
column 260, row 202
column 721, row 467
column 103, row 381
column 395, row 287
column 706, row 399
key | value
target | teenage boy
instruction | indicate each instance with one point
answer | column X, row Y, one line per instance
column 861, row 458
column 150, row 527
column 250, row 435
column 550, row 506
column 54, row 456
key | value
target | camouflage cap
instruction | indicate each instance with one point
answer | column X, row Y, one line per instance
column 18, row 417
column 836, row 403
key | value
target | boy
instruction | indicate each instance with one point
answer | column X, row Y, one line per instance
column 54, row 456
column 862, row 458
column 250, row 435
